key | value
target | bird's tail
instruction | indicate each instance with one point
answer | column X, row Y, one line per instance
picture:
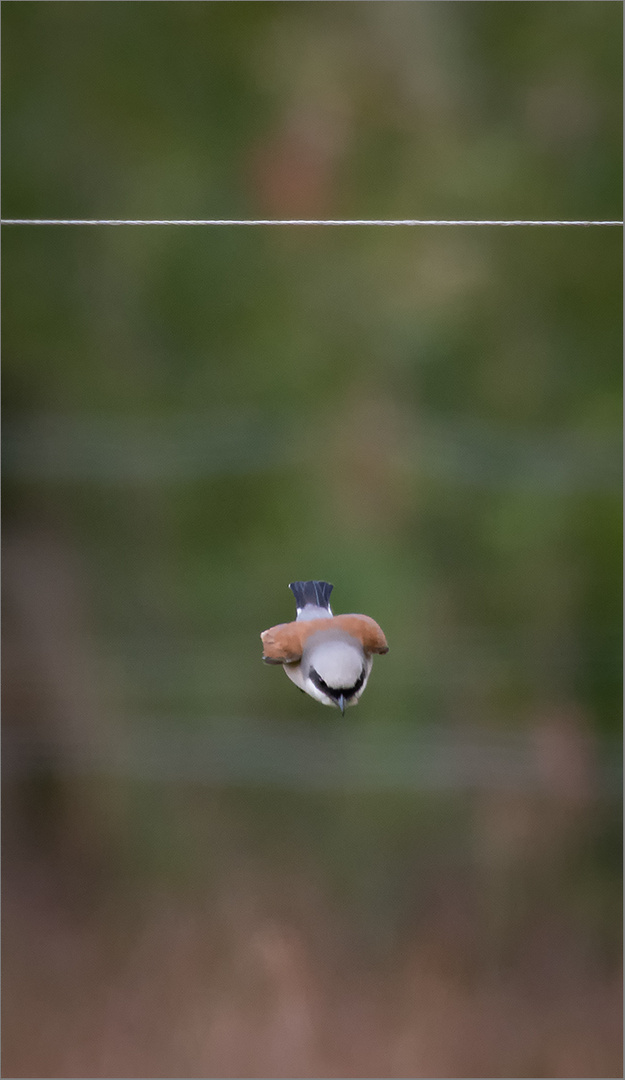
column 311, row 592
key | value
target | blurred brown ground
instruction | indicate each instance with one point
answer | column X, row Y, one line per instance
column 240, row 991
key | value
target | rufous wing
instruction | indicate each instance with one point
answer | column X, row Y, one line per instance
column 365, row 629
column 283, row 644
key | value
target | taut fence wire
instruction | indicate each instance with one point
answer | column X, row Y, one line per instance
column 292, row 221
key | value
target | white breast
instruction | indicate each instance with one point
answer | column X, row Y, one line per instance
column 339, row 663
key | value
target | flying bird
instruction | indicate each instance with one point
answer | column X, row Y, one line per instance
column 327, row 656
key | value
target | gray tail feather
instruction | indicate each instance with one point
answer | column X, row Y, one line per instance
column 311, row 592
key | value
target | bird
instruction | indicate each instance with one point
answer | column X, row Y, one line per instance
column 327, row 656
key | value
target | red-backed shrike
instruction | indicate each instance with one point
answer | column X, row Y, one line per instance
column 328, row 656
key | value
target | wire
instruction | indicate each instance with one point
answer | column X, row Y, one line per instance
column 287, row 221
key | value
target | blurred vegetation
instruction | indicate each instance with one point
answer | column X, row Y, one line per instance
column 428, row 418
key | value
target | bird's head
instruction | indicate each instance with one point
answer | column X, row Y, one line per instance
column 337, row 670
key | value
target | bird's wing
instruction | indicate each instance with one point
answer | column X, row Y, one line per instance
column 365, row 629
column 284, row 644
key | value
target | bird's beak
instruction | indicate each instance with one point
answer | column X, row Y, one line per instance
column 341, row 704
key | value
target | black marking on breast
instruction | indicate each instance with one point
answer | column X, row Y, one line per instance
column 335, row 692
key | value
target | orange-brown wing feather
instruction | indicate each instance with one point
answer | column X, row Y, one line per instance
column 365, row 629
column 283, row 644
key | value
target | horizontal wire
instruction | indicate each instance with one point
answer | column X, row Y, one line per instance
column 286, row 221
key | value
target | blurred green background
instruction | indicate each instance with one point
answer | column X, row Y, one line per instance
column 206, row 873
